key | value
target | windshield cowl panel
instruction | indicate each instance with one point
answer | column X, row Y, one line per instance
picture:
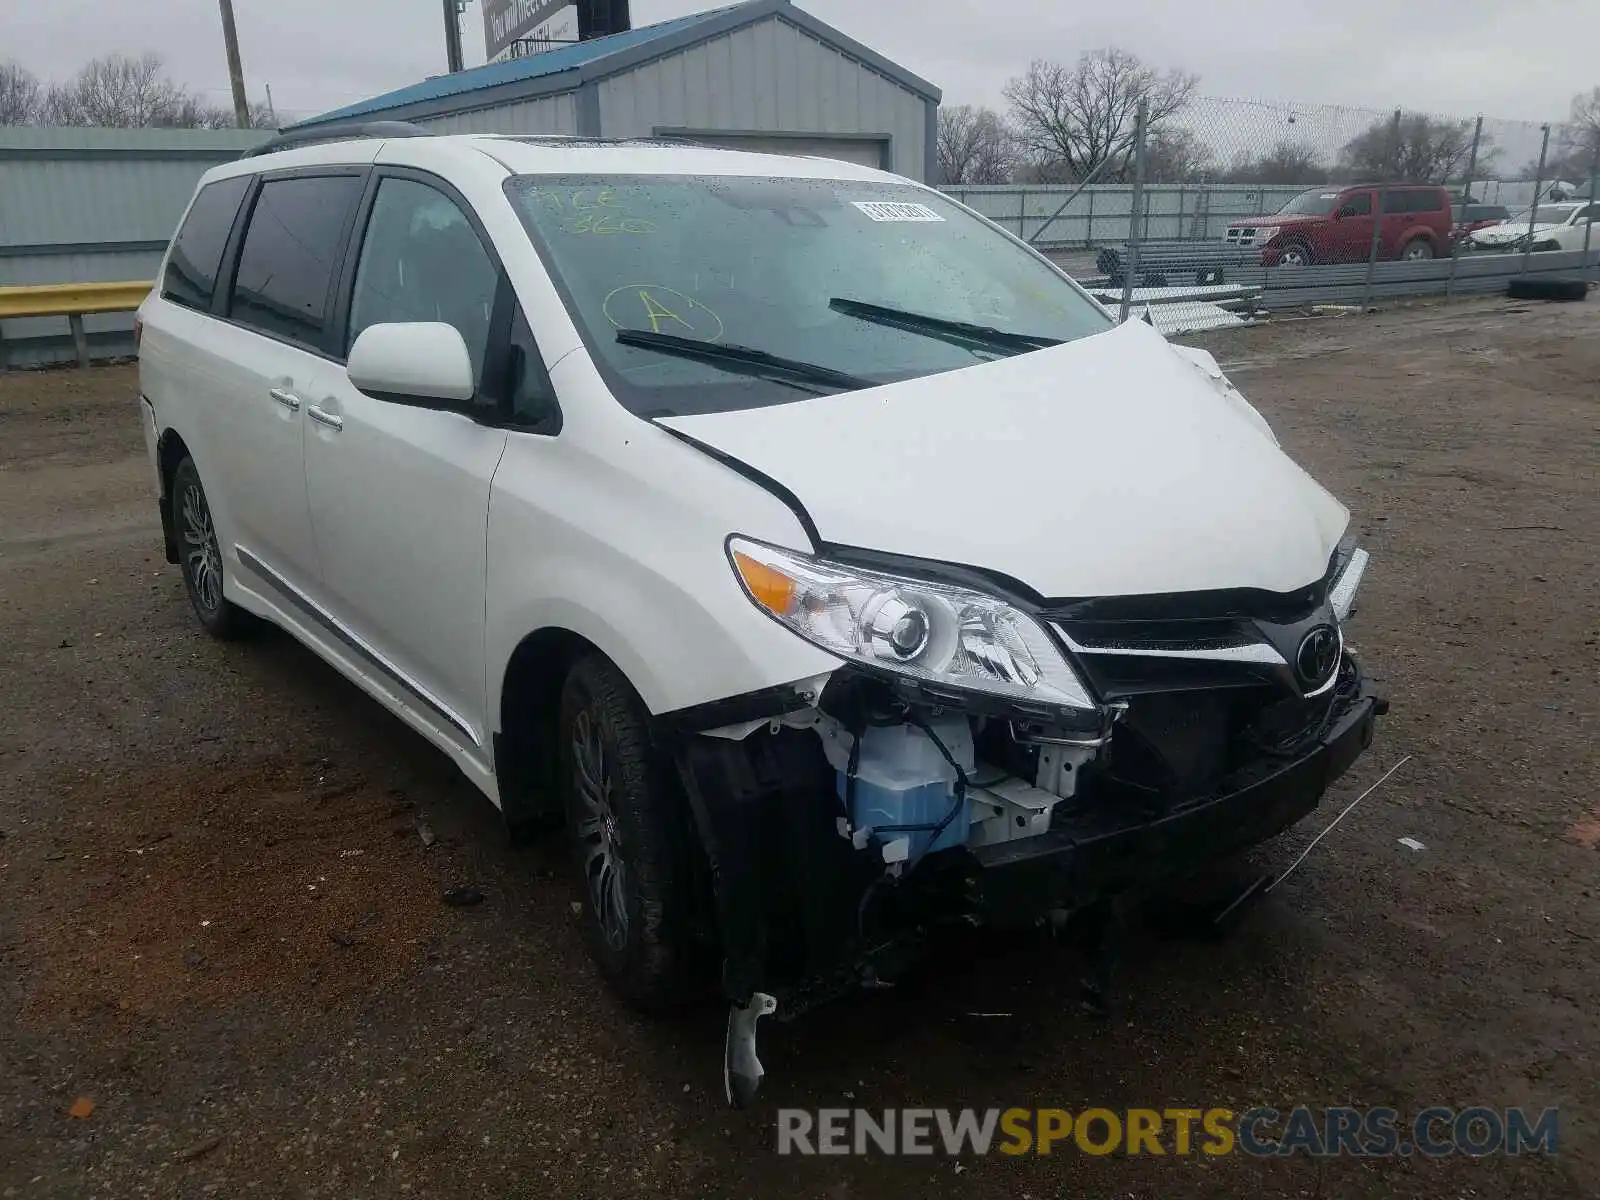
column 756, row 265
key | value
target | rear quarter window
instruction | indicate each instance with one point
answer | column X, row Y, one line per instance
column 1412, row 200
column 191, row 275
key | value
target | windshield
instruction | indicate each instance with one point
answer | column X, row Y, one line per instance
column 833, row 280
column 1316, row 203
column 1549, row 214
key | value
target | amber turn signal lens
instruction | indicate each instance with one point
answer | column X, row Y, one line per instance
column 771, row 589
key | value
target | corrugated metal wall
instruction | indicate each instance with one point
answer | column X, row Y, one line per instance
column 1098, row 216
column 548, row 114
column 80, row 205
column 768, row 77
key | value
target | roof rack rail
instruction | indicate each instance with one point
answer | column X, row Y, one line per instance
column 317, row 134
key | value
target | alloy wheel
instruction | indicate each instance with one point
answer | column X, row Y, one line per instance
column 604, row 869
column 202, row 555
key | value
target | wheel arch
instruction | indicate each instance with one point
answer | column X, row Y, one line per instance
column 171, row 450
column 530, row 702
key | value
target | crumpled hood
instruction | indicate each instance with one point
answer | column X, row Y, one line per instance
column 1499, row 235
column 1111, row 465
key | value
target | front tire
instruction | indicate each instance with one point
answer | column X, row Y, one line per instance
column 629, row 830
column 1296, row 254
column 200, row 556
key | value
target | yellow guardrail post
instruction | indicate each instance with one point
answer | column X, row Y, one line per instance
column 73, row 301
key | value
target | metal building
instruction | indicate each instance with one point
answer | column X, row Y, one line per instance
column 761, row 75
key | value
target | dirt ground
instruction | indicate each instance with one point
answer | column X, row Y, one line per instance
column 222, row 943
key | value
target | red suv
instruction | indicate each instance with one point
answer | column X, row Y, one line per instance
column 1334, row 225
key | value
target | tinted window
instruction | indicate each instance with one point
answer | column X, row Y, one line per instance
column 422, row 261
column 1357, row 206
column 289, row 255
column 1407, row 202
column 191, row 275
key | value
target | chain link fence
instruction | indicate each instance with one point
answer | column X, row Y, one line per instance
column 1230, row 206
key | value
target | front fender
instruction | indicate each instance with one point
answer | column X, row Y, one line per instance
column 625, row 547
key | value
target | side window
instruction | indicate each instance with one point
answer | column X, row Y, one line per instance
column 1359, row 205
column 191, row 275
column 290, row 251
column 533, row 402
column 422, row 261
column 1592, row 213
column 1406, row 201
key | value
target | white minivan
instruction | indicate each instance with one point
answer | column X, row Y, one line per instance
column 827, row 561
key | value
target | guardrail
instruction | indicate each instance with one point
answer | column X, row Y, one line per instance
column 74, row 301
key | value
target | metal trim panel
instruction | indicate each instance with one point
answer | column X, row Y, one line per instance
column 639, row 53
column 885, row 141
column 588, row 105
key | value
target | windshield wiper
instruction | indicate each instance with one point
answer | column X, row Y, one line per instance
column 745, row 360
column 962, row 333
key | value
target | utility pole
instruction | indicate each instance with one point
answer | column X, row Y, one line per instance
column 230, row 39
column 452, row 35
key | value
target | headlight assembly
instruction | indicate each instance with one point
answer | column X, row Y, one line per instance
column 942, row 635
column 1265, row 233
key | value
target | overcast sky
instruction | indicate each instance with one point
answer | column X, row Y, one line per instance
column 1510, row 58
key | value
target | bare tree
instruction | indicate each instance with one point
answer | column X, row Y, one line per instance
column 974, row 146
column 117, row 91
column 1416, row 149
column 123, row 92
column 1578, row 140
column 1085, row 115
column 19, row 94
column 1286, row 162
column 1178, row 155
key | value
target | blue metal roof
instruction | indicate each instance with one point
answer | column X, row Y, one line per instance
column 523, row 70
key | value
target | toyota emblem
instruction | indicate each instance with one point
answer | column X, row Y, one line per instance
column 1318, row 655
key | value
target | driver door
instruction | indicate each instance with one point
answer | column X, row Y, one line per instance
column 1352, row 228
column 399, row 491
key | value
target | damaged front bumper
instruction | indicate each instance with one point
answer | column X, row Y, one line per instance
column 808, row 908
column 1087, row 856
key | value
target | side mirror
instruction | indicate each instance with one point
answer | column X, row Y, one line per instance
column 412, row 362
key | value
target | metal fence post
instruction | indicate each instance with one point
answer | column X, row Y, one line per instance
column 1538, row 186
column 1131, row 269
column 1588, row 228
column 1377, row 219
column 1466, row 199
column 1022, row 215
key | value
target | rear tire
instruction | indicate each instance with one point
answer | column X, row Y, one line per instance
column 630, row 831
column 200, row 556
column 1416, row 250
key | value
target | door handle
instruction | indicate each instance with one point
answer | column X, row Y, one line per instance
column 331, row 420
column 286, row 398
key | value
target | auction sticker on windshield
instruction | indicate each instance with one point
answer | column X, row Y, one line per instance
column 890, row 210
